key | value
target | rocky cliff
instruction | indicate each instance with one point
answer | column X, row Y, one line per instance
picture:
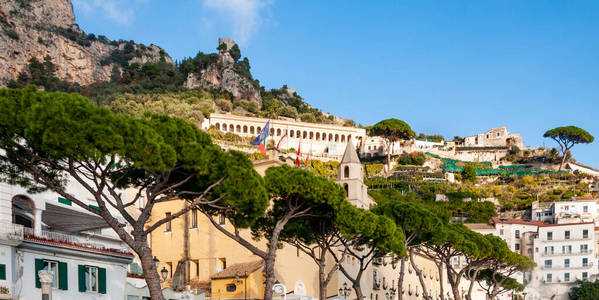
column 226, row 73
column 40, row 28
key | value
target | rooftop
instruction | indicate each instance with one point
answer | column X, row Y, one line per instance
column 238, row 270
column 515, row 221
column 479, row 226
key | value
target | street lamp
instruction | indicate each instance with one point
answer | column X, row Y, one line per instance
column 156, row 261
column 344, row 291
column 164, row 273
column 392, row 294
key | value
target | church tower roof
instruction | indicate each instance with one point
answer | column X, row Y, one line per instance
column 350, row 155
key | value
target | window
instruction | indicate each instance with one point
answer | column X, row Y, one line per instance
column 91, row 279
column 538, row 214
column 221, row 219
column 517, row 247
column 346, row 171
column 567, row 234
column 548, row 249
column 59, row 269
column 549, row 277
column 567, row 249
column 585, row 262
column 196, row 264
column 566, row 277
column 567, row 263
column 52, row 266
column 231, row 287
column 585, row 275
column 585, row 234
column 549, row 236
column 548, row 264
column 168, row 224
column 585, row 209
column 529, row 251
column 584, row 248
column 517, row 234
column 500, row 231
column 194, row 218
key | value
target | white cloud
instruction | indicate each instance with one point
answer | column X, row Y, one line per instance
column 245, row 16
column 107, row 8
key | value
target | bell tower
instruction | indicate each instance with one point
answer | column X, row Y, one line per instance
column 350, row 175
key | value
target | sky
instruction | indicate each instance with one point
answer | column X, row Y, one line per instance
column 445, row 67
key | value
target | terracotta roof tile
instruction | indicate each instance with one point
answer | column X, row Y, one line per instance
column 586, row 198
column 238, row 269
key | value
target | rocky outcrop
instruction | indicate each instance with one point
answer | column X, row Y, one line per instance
column 40, row 28
column 224, row 75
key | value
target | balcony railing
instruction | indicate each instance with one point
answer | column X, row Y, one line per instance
column 69, row 240
column 570, row 267
column 11, row 233
column 566, row 253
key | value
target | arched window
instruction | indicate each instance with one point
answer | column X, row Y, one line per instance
column 279, row 132
column 238, row 129
column 318, row 136
column 272, row 131
column 245, row 129
column 258, row 129
column 346, row 171
column 311, row 135
column 346, row 187
column 224, row 127
column 291, row 133
column 217, row 126
column 330, row 137
column 231, row 128
column 252, row 129
column 304, row 135
column 324, row 136
column 336, row 137
column 23, row 211
column 343, row 138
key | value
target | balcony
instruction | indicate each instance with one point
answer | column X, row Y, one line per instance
column 566, row 253
column 587, row 266
column 76, row 242
column 11, row 234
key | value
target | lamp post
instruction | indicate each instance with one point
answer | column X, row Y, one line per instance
column 392, row 294
column 280, row 288
column 164, row 273
column 344, row 291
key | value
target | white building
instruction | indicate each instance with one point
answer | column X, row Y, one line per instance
column 45, row 231
column 560, row 239
column 318, row 139
column 374, row 146
column 495, row 137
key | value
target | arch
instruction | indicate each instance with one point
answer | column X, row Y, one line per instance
column 251, row 129
column 330, row 137
column 278, row 131
column 224, row 127
column 23, row 211
column 291, row 133
column 258, row 129
column 217, row 126
column 311, row 135
column 245, row 129
column 346, row 172
column 238, row 128
column 231, row 128
column 305, row 134
column 346, row 187
column 272, row 131
column 343, row 138
column 336, row 137
column 318, row 136
column 324, row 136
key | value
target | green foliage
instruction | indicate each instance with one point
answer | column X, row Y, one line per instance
column 374, row 170
column 415, row 158
column 189, row 105
column 42, row 74
column 235, row 52
column 325, row 169
column 569, row 134
column 430, row 137
column 8, row 28
column 585, row 290
column 469, row 173
column 199, row 63
column 392, row 130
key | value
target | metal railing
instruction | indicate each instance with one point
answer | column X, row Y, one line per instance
column 566, row 253
column 53, row 237
column 11, row 232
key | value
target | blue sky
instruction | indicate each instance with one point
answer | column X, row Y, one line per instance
column 446, row 67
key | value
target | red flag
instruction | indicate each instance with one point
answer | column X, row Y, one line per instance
column 283, row 137
column 297, row 159
column 262, row 149
column 308, row 156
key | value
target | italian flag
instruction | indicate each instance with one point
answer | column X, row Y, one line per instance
column 260, row 140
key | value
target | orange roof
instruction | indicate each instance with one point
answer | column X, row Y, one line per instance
column 497, row 220
column 585, row 198
column 564, row 224
column 238, row 270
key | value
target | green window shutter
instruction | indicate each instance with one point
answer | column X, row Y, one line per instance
column 81, row 269
column 102, row 280
column 64, row 201
column 39, row 265
column 2, row 272
column 94, row 207
column 63, row 278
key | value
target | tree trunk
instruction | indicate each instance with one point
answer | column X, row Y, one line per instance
column 441, row 284
column 389, row 157
column 322, row 284
column 150, row 273
column 358, row 290
column 425, row 294
column 472, row 281
column 402, row 270
column 269, row 274
column 454, row 282
column 564, row 155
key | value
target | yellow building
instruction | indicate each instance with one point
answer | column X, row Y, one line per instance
column 239, row 281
